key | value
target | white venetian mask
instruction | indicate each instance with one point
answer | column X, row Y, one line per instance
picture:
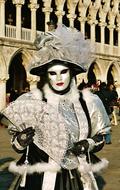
column 59, row 77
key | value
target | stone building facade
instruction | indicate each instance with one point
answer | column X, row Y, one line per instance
column 22, row 20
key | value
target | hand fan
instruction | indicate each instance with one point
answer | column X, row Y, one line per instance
column 51, row 133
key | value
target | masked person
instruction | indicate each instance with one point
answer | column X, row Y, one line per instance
column 49, row 125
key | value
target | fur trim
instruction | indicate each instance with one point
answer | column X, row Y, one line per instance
column 100, row 165
column 72, row 95
column 39, row 168
column 84, row 167
column 36, row 93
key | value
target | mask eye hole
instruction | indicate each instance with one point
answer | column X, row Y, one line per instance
column 52, row 73
column 64, row 71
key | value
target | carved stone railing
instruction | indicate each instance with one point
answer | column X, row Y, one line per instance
column 10, row 32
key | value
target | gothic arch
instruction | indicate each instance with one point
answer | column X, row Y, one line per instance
column 26, row 56
column 17, row 70
column 94, row 72
column 3, row 68
column 113, row 72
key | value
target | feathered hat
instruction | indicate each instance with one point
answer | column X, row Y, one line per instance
column 66, row 45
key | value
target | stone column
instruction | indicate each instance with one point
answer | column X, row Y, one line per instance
column 111, row 24
column 18, row 21
column 111, row 35
column 82, row 23
column 2, row 94
column 82, row 8
column 47, row 10
column 102, row 36
column 102, row 21
column 18, row 4
column 83, row 28
column 2, row 18
column 33, row 8
column 71, row 19
column 71, row 11
column 32, row 80
column 118, row 29
column 93, row 9
column 60, row 12
column 102, row 32
column 60, row 15
column 92, row 31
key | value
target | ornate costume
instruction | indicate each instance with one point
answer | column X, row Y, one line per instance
column 58, row 152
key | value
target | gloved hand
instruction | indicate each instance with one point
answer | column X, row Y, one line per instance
column 80, row 147
column 25, row 137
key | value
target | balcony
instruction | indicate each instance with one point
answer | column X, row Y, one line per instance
column 26, row 37
column 10, row 32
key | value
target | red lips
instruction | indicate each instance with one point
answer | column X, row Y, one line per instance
column 60, row 84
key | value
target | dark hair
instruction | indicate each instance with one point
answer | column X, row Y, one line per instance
column 42, row 81
column 82, row 85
